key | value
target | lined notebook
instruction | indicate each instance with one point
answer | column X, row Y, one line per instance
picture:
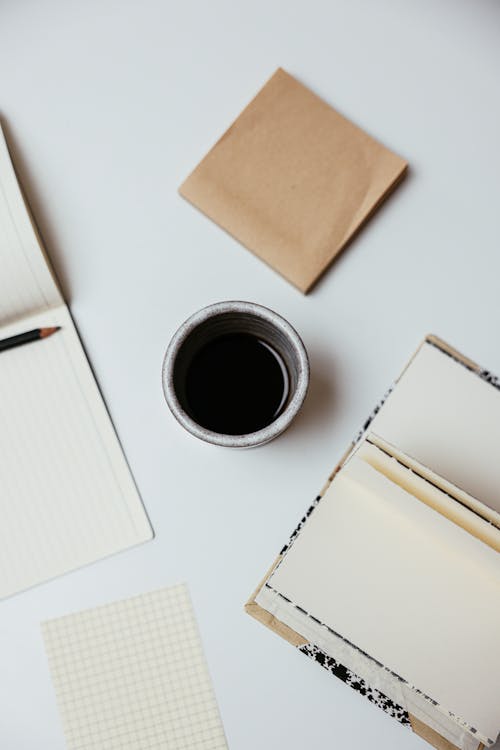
column 132, row 676
column 392, row 579
column 67, row 495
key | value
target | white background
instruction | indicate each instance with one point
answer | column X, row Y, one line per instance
column 109, row 105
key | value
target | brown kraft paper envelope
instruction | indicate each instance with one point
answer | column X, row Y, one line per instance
column 293, row 180
column 427, row 733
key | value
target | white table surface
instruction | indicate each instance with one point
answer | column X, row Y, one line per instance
column 109, row 104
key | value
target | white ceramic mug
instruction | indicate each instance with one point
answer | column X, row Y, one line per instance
column 225, row 318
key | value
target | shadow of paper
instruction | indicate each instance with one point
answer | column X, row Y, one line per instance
column 319, row 406
column 35, row 201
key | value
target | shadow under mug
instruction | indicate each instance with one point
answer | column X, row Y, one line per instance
column 227, row 318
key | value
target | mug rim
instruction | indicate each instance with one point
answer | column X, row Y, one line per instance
column 271, row 430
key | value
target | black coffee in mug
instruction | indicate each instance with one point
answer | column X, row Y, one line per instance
column 235, row 374
column 236, row 384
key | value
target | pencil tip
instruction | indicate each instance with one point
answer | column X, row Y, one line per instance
column 44, row 332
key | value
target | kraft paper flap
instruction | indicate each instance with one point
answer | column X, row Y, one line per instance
column 267, row 619
column 293, row 180
column 452, row 352
column 432, row 737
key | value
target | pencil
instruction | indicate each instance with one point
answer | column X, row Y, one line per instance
column 25, row 338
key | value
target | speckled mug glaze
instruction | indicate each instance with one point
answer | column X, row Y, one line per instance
column 235, row 317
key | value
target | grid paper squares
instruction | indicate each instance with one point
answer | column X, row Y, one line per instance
column 131, row 675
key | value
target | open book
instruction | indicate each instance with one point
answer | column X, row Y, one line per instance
column 67, row 496
column 392, row 579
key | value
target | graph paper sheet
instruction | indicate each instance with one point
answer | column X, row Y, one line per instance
column 132, row 675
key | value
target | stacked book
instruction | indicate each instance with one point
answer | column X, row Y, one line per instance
column 392, row 579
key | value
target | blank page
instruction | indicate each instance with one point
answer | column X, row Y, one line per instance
column 456, row 505
column 447, row 418
column 67, row 496
column 132, row 676
column 407, row 586
column 27, row 285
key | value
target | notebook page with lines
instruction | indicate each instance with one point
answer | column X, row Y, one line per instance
column 67, row 497
column 132, row 675
column 27, row 284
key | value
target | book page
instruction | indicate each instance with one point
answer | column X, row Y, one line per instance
column 68, row 497
column 410, row 588
column 455, row 505
column 447, row 418
column 463, row 498
column 27, row 285
column 362, row 673
column 132, row 674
